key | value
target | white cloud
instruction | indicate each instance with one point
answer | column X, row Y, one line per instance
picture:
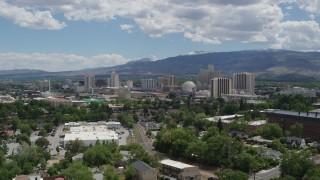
column 299, row 35
column 57, row 62
column 127, row 27
column 31, row 18
column 205, row 21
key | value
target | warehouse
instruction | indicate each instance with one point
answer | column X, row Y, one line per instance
column 91, row 132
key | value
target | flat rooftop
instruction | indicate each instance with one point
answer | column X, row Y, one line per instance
column 98, row 128
column 296, row 113
column 227, row 117
column 257, row 123
column 105, row 135
column 175, row 164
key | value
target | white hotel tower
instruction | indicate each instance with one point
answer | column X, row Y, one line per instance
column 220, row 86
column 244, row 83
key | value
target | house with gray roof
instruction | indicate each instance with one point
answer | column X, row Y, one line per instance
column 269, row 153
column 144, row 171
column 295, row 142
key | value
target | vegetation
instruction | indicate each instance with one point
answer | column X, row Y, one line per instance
column 182, row 121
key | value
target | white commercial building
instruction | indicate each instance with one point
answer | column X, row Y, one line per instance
column 91, row 133
column 109, row 125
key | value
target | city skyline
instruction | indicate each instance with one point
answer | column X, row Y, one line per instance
column 74, row 35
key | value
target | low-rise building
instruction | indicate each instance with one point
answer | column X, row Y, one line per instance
column 144, row 171
column 90, row 133
column 310, row 122
column 179, row 170
column 28, row 177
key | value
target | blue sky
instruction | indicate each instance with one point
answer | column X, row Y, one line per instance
column 77, row 34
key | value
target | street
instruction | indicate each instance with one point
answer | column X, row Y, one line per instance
column 142, row 139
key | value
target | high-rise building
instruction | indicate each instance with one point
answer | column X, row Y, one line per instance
column 168, row 82
column 220, row 86
column 44, row 85
column 124, row 93
column 204, row 77
column 113, row 81
column 89, row 83
column 148, row 84
column 244, row 83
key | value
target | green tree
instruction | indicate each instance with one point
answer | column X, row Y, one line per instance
column 278, row 146
column 296, row 130
column 77, row 171
column 23, row 137
column 25, row 128
column 48, row 127
column 238, row 125
column 313, row 174
column 75, row 147
column 42, row 142
column 97, row 156
column 42, row 132
column 148, row 133
column 129, row 173
column 110, row 173
column 246, row 163
column 297, row 164
column 219, row 125
column 174, row 141
column 231, row 108
column 270, row 131
column 15, row 122
column 229, row 174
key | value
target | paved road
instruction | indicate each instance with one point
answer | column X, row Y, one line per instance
column 142, row 139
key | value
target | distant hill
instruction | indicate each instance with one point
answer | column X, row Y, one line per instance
column 278, row 63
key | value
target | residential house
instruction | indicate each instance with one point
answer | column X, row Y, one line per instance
column 238, row 135
column 77, row 157
column 269, row 153
column 295, row 142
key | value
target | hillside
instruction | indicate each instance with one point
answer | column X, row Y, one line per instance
column 278, row 63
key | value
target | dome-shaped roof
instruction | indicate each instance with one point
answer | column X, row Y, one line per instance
column 188, row 87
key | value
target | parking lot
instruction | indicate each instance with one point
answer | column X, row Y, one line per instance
column 123, row 135
column 55, row 141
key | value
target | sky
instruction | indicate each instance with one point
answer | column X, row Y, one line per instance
column 60, row 35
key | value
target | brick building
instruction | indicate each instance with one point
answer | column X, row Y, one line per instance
column 310, row 121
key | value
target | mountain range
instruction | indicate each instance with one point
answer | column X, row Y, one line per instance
column 262, row 62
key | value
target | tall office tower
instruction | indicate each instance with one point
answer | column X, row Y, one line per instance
column 148, row 84
column 204, row 77
column 244, row 83
column 220, row 86
column 89, row 83
column 113, row 81
column 44, row 85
